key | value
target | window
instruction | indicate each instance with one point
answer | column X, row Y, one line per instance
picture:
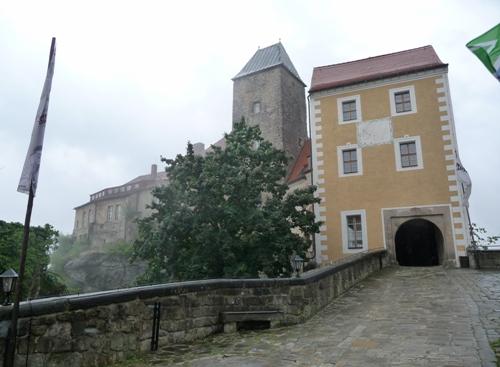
column 402, row 100
column 349, row 109
column 256, row 107
column 110, row 213
column 408, row 152
column 349, row 160
column 354, row 232
column 354, row 237
column 118, row 210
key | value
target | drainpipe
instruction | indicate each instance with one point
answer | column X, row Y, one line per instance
column 312, row 171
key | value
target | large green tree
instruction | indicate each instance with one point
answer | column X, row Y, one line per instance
column 227, row 214
column 38, row 281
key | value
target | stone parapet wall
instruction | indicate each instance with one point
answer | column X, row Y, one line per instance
column 484, row 259
column 97, row 329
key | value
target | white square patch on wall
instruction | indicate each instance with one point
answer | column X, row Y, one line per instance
column 374, row 132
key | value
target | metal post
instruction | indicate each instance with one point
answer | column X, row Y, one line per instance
column 156, row 326
column 11, row 349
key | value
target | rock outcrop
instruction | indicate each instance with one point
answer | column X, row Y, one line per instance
column 98, row 271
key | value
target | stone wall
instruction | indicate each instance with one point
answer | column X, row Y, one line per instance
column 282, row 116
column 482, row 259
column 97, row 329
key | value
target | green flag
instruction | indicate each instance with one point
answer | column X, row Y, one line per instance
column 487, row 48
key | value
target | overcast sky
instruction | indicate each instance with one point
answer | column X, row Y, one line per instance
column 136, row 80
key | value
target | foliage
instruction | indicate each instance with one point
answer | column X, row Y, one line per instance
column 227, row 214
column 481, row 237
column 39, row 280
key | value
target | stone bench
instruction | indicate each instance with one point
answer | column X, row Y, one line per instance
column 233, row 320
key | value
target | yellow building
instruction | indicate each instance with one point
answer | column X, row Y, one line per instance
column 384, row 157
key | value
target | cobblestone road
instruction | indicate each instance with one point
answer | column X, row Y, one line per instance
column 399, row 317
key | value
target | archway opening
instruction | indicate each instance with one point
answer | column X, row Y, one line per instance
column 419, row 243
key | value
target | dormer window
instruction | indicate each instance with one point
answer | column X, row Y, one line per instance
column 256, row 107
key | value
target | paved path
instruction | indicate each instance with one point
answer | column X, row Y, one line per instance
column 399, row 317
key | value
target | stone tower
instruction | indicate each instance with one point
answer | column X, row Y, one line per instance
column 269, row 93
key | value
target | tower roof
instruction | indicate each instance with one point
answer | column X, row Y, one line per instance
column 266, row 58
column 373, row 68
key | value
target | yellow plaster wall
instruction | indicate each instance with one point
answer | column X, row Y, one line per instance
column 381, row 185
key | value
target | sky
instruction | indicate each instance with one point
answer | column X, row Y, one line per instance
column 135, row 80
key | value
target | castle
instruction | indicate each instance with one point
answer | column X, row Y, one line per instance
column 383, row 154
column 267, row 92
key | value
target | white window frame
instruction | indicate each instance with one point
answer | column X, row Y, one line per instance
column 343, row 218
column 340, row 160
column 418, row 148
column 413, row 101
column 356, row 98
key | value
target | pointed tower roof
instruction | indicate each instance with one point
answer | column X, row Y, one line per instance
column 267, row 58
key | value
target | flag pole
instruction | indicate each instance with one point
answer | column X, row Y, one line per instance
column 27, row 184
column 11, row 348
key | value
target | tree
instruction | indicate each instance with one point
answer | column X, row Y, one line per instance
column 38, row 281
column 227, row 214
column 482, row 238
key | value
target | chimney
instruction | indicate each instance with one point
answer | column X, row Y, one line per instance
column 154, row 170
column 199, row 149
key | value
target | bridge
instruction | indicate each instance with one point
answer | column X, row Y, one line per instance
column 401, row 316
column 361, row 311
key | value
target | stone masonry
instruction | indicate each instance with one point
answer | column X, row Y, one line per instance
column 275, row 85
column 97, row 329
column 401, row 316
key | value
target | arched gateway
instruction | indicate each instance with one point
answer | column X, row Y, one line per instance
column 419, row 242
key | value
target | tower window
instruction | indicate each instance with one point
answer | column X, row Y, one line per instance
column 349, row 110
column 256, row 107
column 402, row 100
column 354, row 232
column 350, row 161
column 408, row 152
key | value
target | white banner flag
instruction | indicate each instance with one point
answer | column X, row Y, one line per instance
column 464, row 180
column 29, row 176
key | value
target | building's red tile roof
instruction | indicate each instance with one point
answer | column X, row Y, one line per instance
column 373, row 68
column 302, row 163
